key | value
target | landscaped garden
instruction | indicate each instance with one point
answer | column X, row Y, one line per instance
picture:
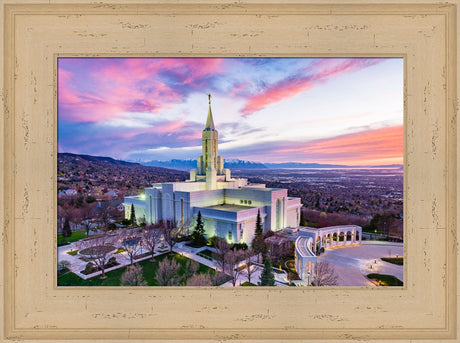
column 207, row 254
column 248, row 284
column 98, row 250
column 385, row 280
column 290, row 269
column 149, row 273
column 395, row 260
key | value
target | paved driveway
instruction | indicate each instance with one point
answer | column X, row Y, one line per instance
column 352, row 263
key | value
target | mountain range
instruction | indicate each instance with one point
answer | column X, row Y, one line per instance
column 235, row 164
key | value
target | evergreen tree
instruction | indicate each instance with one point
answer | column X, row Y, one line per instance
column 132, row 218
column 267, row 277
column 66, row 231
column 198, row 233
column 258, row 242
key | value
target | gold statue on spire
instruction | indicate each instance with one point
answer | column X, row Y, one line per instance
column 209, row 97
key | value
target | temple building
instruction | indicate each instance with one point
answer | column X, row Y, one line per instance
column 228, row 206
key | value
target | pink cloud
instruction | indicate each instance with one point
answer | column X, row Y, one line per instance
column 109, row 87
column 317, row 73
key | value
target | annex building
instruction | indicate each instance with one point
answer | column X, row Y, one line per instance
column 229, row 206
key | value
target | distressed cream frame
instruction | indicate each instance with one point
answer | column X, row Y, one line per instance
column 34, row 34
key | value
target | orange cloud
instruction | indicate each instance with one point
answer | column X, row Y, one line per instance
column 380, row 146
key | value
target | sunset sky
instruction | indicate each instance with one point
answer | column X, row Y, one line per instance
column 340, row 111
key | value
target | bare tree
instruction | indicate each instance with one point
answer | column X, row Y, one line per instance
column 151, row 236
column 61, row 218
column 191, row 269
column 222, row 249
column 171, row 233
column 233, row 258
column 325, row 274
column 199, row 280
column 218, row 278
column 103, row 214
column 98, row 249
column 131, row 242
column 248, row 254
column 87, row 213
column 167, row 273
column 68, row 212
column 116, row 214
column 133, row 276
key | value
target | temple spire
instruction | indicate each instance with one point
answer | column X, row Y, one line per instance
column 209, row 121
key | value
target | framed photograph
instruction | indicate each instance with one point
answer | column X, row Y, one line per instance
column 39, row 38
column 310, row 199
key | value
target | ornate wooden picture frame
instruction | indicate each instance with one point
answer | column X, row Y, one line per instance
column 35, row 34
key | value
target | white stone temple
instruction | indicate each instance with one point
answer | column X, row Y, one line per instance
column 229, row 206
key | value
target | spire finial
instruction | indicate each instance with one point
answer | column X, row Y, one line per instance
column 209, row 121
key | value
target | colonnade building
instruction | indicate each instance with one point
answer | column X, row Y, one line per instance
column 229, row 206
column 311, row 241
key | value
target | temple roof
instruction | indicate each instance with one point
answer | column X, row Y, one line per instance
column 209, row 120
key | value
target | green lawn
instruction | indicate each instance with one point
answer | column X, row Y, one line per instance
column 113, row 277
column 395, row 260
column 385, row 280
column 76, row 236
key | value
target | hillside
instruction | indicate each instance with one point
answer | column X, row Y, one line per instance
column 97, row 175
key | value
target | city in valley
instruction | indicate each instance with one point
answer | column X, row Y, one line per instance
column 91, row 197
column 290, row 174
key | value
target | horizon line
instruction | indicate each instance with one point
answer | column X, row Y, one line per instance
column 290, row 162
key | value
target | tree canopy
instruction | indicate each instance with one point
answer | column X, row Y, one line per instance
column 198, row 233
column 258, row 242
column 267, row 278
column 132, row 217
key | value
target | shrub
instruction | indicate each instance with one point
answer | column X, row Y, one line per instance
column 62, row 265
column 112, row 262
column 183, row 238
column 385, row 280
column 240, row 246
column 90, row 199
column 213, row 241
column 395, row 260
column 90, row 268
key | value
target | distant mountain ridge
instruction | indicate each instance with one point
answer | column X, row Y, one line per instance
column 191, row 164
column 236, row 164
